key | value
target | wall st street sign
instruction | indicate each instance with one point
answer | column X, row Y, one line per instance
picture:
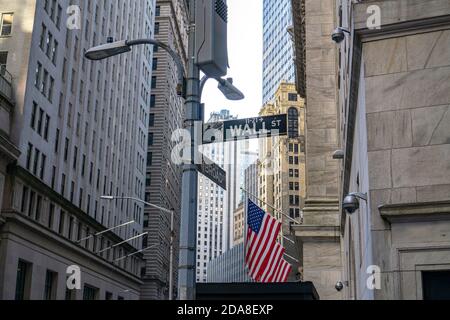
column 235, row 130
column 213, row 172
column 251, row 128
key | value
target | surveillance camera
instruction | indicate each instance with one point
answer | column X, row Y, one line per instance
column 339, row 286
column 351, row 203
column 338, row 34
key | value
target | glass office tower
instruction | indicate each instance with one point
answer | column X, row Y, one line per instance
column 278, row 64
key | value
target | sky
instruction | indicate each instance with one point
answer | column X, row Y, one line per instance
column 245, row 47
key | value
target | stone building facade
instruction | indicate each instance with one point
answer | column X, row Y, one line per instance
column 81, row 129
column 395, row 115
column 239, row 225
column 316, row 79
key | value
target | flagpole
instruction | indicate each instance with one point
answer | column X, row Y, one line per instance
column 245, row 228
column 278, row 210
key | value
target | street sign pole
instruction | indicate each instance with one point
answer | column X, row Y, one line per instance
column 188, row 230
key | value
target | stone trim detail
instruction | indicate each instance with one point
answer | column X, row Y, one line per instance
column 415, row 212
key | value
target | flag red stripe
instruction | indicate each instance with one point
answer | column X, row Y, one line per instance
column 264, row 260
column 261, row 239
column 288, row 270
column 279, row 271
column 274, row 272
column 256, row 241
column 264, row 255
column 283, row 271
column 270, row 241
column 272, row 263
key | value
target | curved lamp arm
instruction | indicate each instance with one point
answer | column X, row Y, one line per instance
column 173, row 54
column 225, row 86
column 202, row 85
column 115, row 48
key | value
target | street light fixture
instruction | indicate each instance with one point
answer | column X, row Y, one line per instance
column 229, row 90
column 188, row 87
column 172, row 233
column 225, row 86
column 108, row 50
column 112, row 49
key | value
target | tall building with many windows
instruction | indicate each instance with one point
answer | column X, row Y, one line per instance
column 216, row 206
column 282, row 168
column 278, row 63
column 81, row 128
column 163, row 180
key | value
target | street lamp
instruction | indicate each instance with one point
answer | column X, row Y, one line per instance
column 115, row 48
column 190, row 85
column 112, row 49
column 225, row 86
column 172, row 232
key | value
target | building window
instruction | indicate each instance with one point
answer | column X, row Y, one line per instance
column 90, row 293
column 151, row 121
column 51, row 216
column 37, row 154
column 435, row 285
column 69, row 294
column 61, row 223
column 108, row 296
column 33, row 115
column 50, row 285
column 292, row 97
column 6, row 24
column 22, row 280
column 66, row 150
column 42, row 37
column 151, row 139
column 46, row 127
column 70, row 228
column 3, row 61
column 152, row 100
column 37, row 215
column 38, row 73
column 58, row 17
column 157, row 28
column 149, row 159
column 158, row 11
column 293, row 123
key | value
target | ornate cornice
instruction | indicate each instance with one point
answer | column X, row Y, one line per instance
column 299, row 38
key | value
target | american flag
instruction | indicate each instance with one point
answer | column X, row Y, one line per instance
column 264, row 255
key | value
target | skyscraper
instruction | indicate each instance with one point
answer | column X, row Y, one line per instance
column 282, row 166
column 163, row 180
column 278, row 63
column 215, row 205
column 81, row 128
